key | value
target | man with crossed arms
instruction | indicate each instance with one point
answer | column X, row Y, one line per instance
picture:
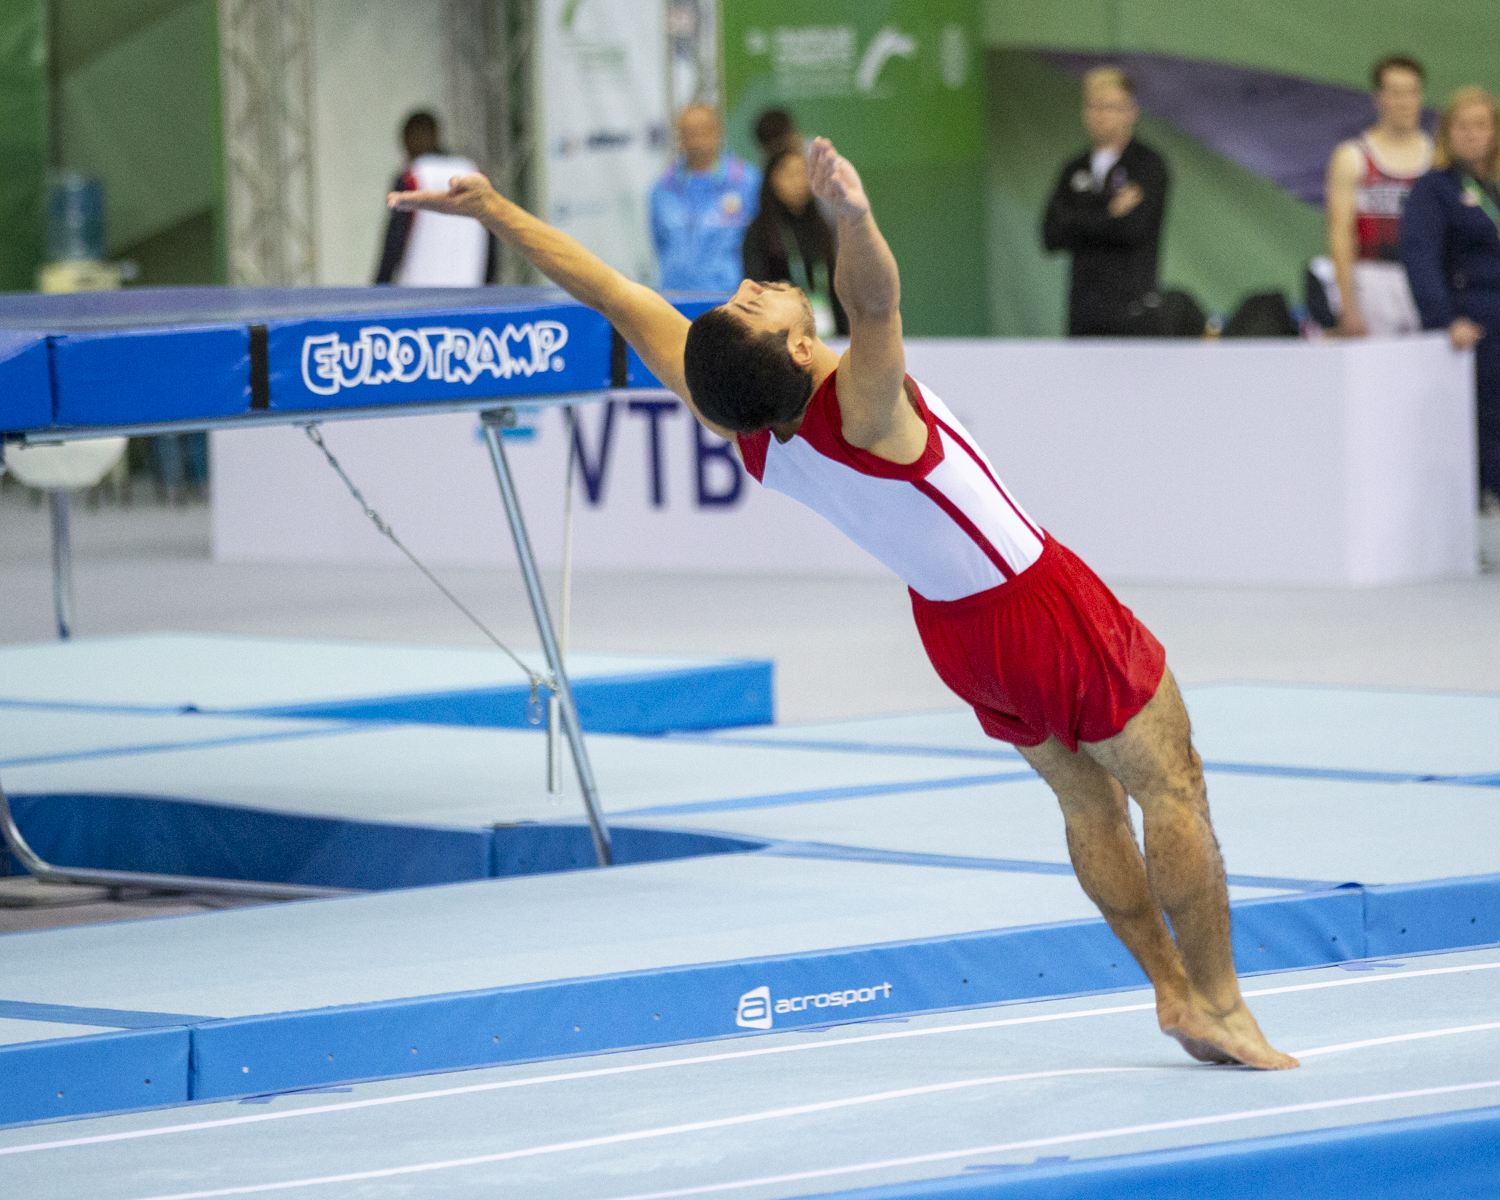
column 1013, row 621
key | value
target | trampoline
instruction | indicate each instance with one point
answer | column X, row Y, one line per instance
column 182, row 359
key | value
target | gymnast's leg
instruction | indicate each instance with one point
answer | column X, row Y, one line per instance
column 1198, row 995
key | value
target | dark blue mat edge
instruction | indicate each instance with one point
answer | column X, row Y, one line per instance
column 1446, row 1154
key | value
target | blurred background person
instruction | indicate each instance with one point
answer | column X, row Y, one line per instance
column 1369, row 179
column 1107, row 210
column 701, row 206
column 776, row 130
column 790, row 240
column 433, row 249
column 1450, row 244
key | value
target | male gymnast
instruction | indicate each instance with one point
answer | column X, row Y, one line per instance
column 1014, row 623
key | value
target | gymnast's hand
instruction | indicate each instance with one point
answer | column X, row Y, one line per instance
column 835, row 181
column 467, row 196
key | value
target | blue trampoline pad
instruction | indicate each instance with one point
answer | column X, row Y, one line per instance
column 202, row 356
column 280, row 677
column 1402, row 1058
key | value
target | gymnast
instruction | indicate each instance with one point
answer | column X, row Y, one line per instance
column 1013, row 622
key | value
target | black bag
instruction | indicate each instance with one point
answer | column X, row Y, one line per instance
column 1172, row 313
column 1265, row 315
column 1316, row 295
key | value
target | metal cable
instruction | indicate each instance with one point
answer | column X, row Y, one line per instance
column 536, row 679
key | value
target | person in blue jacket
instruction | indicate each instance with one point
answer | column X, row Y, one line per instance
column 1450, row 246
column 700, row 208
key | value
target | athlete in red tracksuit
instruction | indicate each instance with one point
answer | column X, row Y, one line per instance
column 1013, row 621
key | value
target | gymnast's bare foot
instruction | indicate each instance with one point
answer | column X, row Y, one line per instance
column 1227, row 1037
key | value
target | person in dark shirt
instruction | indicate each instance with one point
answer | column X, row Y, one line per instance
column 1450, row 246
column 1107, row 212
column 775, row 131
column 789, row 240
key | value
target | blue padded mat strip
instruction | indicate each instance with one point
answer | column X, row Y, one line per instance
column 641, row 703
column 647, row 703
column 103, row 1072
column 148, row 357
column 1447, row 1154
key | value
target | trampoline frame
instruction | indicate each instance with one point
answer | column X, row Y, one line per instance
column 495, row 417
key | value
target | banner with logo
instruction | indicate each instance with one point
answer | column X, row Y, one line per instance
column 603, row 124
column 896, row 84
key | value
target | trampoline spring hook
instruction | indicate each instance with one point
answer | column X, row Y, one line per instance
column 534, row 704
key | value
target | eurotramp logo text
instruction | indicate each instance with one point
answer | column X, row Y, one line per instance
column 380, row 355
column 756, row 1008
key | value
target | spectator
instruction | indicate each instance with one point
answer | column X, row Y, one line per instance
column 432, row 249
column 1369, row 179
column 1107, row 211
column 789, row 239
column 700, row 207
column 1450, row 243
column 776, row 130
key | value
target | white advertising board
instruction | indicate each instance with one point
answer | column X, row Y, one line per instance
column 603, row 118
column 1257, row 462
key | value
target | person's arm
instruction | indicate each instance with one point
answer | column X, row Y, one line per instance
column 1137, row 210
column 1065, row 212
column 872, row 372
column 1341, row 198
column 1424, row 228
column 656, row 330
column 1420, row 241
column 397, row 231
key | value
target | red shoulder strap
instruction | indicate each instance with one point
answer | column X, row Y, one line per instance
column 753, row 447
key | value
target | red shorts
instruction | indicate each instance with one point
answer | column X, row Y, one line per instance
column 1050, row 653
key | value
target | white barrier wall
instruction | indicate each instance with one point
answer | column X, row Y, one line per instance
column 1249, row 462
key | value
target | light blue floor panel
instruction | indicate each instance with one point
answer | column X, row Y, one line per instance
column 496, row 933
column 806, row 783
column 939, row 1096
column 13, row 1033
column 1351, row 729
column 446, row 775
column 213, row 671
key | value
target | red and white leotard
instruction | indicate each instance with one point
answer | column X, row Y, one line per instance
column 1379, row 203
column 945, row 524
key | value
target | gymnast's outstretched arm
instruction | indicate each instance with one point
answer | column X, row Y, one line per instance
column 656, row 330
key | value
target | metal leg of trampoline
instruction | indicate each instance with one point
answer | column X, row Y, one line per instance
column 494, row 422
column 40, row 868
column 62, row 563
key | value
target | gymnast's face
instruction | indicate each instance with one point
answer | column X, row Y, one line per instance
column 774, row 308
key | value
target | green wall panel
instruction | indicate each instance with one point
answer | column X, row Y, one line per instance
column 23, row 141
column 914, row 128
column 143, row 116
column 1331, row 40
column 1228, row 233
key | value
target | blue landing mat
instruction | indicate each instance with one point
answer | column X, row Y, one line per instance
column 1055, row 1098
column 348, row 681
column 936, row 884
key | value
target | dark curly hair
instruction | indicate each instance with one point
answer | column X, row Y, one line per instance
column 741, row 379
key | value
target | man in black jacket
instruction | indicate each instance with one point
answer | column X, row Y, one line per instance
column 1107, row 211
